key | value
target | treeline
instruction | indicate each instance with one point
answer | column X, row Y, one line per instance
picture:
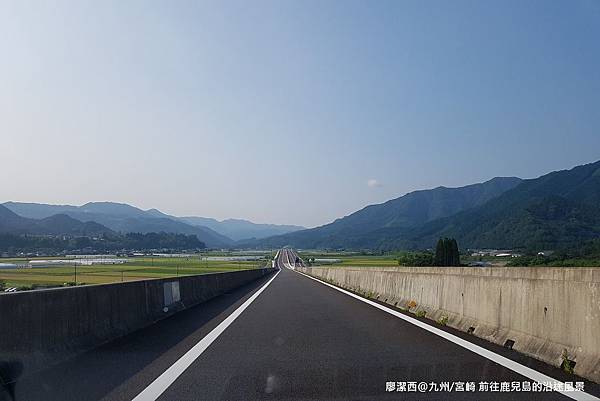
column 162, row 240
column 12, row 244
column 446, row 254
column 585, row 254
column 416, row 259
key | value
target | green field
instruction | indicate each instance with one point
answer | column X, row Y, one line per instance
column 138, row 268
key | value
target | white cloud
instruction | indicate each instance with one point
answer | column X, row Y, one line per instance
column 372, row 183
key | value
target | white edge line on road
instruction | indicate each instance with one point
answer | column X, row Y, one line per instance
column 162, row 382
column 499, row 359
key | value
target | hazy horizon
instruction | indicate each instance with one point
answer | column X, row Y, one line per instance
column 268, row 222
column 290, row 112
column 136, row 206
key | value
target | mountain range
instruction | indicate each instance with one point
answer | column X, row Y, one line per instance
column 372, row 225
column 58, row 224
column 558, row 209
column 120, row 217
column 238, row 229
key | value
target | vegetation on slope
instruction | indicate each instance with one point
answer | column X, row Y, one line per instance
column 13, row 244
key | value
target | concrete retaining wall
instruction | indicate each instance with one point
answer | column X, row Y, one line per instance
column 38, row 328
column 545, row 311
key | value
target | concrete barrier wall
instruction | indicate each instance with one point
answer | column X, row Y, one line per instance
column 38, row 328
column 545, row 311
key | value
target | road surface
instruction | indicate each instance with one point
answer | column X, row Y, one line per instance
column 285, row 337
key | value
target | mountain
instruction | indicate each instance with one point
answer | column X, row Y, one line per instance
column 38, row 211
column 126, row 218
column 42, row 210
column 371, row 226
column 238, row 229
column 556, row 210
column 59, row 224
column 113, row 209
column 121, row 217
column 559, row 209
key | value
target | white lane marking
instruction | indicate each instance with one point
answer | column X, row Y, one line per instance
column 499, row 359
column 162, row 382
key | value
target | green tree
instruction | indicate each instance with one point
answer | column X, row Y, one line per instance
column 447, row 253
column 455, row 253
column 439, row 253
column 415, row 259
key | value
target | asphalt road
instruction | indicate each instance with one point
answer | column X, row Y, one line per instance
column 297, row 340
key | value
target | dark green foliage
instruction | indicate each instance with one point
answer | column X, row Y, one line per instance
column 567, row 365
column 440, row 253
column 454, row 253
column 447, row 253
column 131, row 241
column 580, row 255
column 161, row 240
column 415, row 259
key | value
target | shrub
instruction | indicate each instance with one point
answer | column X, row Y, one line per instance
column 567, row 365
column 415, row 259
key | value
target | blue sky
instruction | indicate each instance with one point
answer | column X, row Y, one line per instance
column 290, row 112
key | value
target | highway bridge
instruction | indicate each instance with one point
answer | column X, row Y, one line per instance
column 291, row 337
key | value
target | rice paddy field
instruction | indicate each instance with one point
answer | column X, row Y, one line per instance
column 136, row 268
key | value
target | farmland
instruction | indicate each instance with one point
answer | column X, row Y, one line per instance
column 136, row 268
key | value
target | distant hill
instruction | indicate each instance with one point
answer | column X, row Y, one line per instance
column 113, row 209
column 59, row 224
column 371, row 226
column 123, row 218
column 238, row 229
column 126, row 218
column 559, row 209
